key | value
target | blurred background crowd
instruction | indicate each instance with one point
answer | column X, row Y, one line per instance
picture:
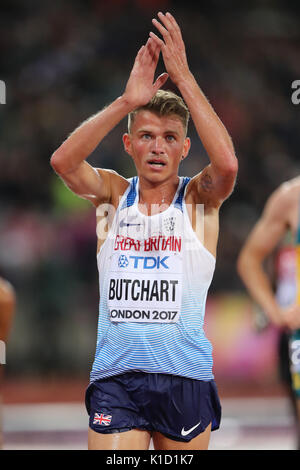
column 62, row 62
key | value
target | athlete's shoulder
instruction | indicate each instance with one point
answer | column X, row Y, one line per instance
column 291, row 186
column 283, row 200
column 109, row 173
column 286, row 192
column 116, row 182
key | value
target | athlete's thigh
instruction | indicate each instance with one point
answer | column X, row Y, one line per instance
column 135, row 439
column 199, row 442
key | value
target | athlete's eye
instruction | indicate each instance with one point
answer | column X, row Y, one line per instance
column 170, row 138
column 146, row 136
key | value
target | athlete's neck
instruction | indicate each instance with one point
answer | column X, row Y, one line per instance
column 156, row 198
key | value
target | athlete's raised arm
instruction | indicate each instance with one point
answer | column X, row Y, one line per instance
column 69, row 160
column 216, row 181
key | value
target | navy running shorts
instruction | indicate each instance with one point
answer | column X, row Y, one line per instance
column 178, row 407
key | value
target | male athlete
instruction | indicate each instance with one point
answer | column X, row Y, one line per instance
column 152, row 373
column 279, row 227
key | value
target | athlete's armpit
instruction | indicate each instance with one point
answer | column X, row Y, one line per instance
column 214, row 186
column 206, row 183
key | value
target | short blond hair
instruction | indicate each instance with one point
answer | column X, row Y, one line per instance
column 163, row 103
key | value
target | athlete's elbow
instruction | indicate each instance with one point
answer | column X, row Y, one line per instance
column 58, row 161
column 227, row 177
column 231, row 165
column 227, row 168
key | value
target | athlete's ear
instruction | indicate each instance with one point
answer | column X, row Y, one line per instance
column 127, row 143
column 186, row 147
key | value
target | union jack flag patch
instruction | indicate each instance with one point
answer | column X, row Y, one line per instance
column 101, row 418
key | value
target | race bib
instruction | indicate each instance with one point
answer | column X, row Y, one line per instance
column 145, row 287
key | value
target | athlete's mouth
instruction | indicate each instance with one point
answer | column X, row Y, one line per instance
column 156, row 162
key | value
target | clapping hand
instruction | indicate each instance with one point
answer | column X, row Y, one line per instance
column 172, row 47
column 141, row 86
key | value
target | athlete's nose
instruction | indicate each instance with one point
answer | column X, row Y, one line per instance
column 158, row 147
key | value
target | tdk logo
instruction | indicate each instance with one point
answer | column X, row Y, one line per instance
column 144, row 262
column 123, row 261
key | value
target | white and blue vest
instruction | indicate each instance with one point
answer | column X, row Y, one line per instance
column 154, row 275
column 288, row 257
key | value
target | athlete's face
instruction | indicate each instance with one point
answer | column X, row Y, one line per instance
column 157, row 144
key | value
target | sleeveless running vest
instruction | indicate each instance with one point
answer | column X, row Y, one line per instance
column 288, row 291
column 288, row 269
column 286, row 286
column 154, row 276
